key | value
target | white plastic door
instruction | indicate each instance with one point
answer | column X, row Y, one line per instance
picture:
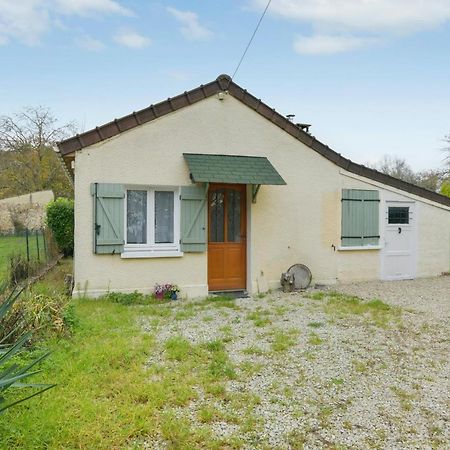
column 398, row 261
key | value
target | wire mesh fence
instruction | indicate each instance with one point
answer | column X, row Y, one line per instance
column 24, row 252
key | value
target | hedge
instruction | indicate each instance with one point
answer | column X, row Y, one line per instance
column 60, row 219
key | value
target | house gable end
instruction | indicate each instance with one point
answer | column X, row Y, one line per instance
column 224, row 83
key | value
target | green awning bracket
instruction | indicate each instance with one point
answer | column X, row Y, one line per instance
column 255, row 190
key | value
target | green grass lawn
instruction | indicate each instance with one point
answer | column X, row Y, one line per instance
column 106, row 397
column 18, row 245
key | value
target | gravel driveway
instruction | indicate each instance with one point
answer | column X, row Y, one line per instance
column 322, row 369
column 428, row 295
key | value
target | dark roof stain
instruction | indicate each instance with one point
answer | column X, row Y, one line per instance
column 224, row 83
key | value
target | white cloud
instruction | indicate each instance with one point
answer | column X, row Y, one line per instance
column 28, row 20
column 368, row 15
column 132, row 39
column 191, row 28
column 345, row 24
column 24, row 20
column 89, row 43
column 89, row 7
column 322, row 44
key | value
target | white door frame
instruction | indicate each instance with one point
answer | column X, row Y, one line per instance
column 413, row 211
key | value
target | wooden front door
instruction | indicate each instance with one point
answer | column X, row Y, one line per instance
column 227, row 238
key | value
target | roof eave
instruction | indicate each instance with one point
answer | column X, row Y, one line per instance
column 224, row 83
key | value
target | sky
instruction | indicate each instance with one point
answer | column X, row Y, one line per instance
column 372, row 77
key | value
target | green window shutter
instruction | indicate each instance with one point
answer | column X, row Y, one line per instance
column 193, row 218
column 360, row 214
column 108, row 217
column 371, row 208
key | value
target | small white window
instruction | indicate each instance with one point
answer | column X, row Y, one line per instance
column 152, row 222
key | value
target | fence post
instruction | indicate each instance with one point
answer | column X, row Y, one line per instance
column 45, row 245
column 28, row 245
column 37, row 245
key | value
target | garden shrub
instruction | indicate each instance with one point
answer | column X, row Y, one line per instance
column 60, row 219
column 43, row 314
column 13, row 374
column 133, row 298
column 445, row 188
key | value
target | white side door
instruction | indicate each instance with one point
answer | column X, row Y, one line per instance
column 398, row 257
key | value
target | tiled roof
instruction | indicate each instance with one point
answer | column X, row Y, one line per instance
column 223, row 83
column 232, row 169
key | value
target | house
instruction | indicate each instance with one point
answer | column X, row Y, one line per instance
column 214, row 190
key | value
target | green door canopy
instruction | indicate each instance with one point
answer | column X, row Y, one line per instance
column 254, row 170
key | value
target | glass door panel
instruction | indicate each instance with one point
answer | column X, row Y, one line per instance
column 233, row 215
column 217, row 216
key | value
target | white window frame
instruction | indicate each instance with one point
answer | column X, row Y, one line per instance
column 152, row 249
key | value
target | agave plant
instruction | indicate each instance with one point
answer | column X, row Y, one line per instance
column 13, row 375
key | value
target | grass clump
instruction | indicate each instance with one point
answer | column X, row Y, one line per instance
column 253, row 350
column 314, row 339
column 317, row 295
column 379, row 313
column 283, row 340
column 362, row 366
column 219, row 367
column 315, row 324
column 186, row 313
column 222, row 301
column 210, row 414
column 259, row 318
column 178, row 348
column 404, row 397
column 250, row 368
column 296, row 439
column 337, row 381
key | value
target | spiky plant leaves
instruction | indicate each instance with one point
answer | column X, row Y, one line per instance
column 12, row 375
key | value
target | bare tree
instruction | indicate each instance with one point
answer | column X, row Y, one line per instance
column 28, row 160
column 396, row 167
column 431, row 179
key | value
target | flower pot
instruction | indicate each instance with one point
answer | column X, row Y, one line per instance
column 174, row 296
column 159, row 295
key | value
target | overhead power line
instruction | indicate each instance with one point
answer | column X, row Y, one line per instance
column 251, row 39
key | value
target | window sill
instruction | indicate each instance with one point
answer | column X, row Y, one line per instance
column 360, row 247
column 151, row 254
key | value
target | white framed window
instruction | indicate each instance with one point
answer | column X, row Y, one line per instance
column 152, row 222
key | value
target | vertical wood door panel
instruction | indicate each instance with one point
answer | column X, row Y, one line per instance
column 227, row 237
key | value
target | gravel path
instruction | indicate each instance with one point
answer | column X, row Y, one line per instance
column 428, row 295
column 324, row 371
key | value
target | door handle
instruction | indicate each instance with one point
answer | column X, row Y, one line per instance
column 399, row 230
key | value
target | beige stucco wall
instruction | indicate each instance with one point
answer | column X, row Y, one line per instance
column 433, row 241
column 299, row 222
column 431, row 234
